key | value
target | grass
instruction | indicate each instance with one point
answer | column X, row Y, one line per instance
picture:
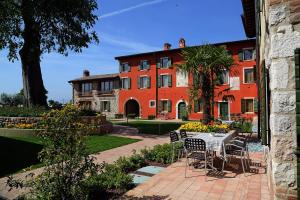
column 152, row 127
column 17, row 153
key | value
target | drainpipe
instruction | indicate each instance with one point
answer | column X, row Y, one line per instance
column 156, row 87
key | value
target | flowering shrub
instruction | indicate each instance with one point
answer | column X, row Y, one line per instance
column 21, row 126
column 199, row 127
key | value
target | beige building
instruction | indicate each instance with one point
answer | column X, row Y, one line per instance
column 97, row 92
column 276, row 26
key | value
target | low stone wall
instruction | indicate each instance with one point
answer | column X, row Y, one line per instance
column 18, row 120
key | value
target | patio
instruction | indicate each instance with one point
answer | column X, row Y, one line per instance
column 172, row 184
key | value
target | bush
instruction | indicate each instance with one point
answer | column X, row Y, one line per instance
column 22, row 111
column 199, row 127
column 151, row 117
column 87, row 112
column 119, row 116
column 245, row 127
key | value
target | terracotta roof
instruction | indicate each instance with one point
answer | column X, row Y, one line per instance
column 178, row 49
column 95, row 77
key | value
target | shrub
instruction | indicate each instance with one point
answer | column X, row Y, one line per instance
column 119, row 116
column 87, row 112
column 22, row 111
column 245, row 127
column 199, row 127
column 151, row 117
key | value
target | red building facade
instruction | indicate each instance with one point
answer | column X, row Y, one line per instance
column 152, row 84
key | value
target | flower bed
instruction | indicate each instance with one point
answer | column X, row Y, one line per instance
column 199, row 127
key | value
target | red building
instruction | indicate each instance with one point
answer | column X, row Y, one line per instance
column 151, row 84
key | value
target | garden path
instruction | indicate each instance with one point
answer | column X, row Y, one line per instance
column 108, row 156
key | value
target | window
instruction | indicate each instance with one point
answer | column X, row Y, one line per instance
column 198, row 106
column 106, row 86
column 145, row 64
column 247, row 105
column 249, row 75
column 165, row 80
column 86, row 87
column 125, row 83
column 247, row 54
column 164, row 62
column 224, row 77
column 105, row 106
column 152, row 104
column 165, row 106
column 124, row 67
column 144, row 82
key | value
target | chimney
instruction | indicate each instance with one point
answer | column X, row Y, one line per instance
column 167, row 46
column 86, row 73
column 181, row 43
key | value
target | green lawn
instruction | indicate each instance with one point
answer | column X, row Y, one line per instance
column 17, row 153
column 152, row 127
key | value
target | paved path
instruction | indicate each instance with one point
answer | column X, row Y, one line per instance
column 108, row 156
column 172, row 184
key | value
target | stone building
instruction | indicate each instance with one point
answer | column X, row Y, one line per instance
column 97, row 92
column 276, row 26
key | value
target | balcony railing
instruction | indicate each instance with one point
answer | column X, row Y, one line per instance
column 85, row 94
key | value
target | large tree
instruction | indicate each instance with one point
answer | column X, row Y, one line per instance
column 29, row 28
column 207, row 64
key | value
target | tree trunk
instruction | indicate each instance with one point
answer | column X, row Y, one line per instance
column 206, row 92
column 34, row 90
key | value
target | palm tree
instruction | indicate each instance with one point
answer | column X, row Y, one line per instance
column 207, row 64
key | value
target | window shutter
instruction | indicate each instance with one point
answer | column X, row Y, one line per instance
column 129, row 83
column 139, row 82
column 169, row 63
column 254, row 73
column 122, row 83
column 169, row 106
column 255, row 105
column 254, row 54
column 170, row 80
column 241, row 55
column 101, row 106
column 108, row 104
column 129, row 68
column 148, row 82
column 159, row 81
column 158, row 63
column 140, row 66
column 159, row 106
column 148, row 65
column 196, row 106
column 243, row 104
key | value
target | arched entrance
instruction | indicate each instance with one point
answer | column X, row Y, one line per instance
column 132, row 108
column 181, row 110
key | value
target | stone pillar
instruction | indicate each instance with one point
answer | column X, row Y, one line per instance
column 280, row 44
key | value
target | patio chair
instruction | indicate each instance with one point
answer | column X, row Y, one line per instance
column 183, row 134
column 196, row 149
column 236, row 148
column 174, row 139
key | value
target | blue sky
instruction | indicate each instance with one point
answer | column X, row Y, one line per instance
column 132, row 26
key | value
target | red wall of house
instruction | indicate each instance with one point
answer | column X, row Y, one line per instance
column 175, row 94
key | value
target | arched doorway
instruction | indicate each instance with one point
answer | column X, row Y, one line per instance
column 132, row 108
column 181, row 110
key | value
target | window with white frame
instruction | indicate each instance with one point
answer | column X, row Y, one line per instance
column 105, row 106
column 125, row 82
column 165, row 62
column 106, row 86
column 86, row 87
column 249, row 76
column 248, row 54
column 247, row 105
column 224, row 77
column 152, row 103
column 165, row 80
column 124, row 67
column 165, row 106
column 145, row 64
column 144, row 82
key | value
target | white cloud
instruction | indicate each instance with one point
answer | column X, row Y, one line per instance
column 129, row 45
column 117, row 12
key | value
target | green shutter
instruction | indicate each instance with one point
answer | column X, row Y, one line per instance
column 254, row 73
column 140, row 66
column 170, row 63
column 159, row 106
column 129, row 68
column 101, row 106
column 148, row 82
column 129, row 83
column 139, row 82
column 108, row 106
column 122, row 83
column 196, row 106
column 148, row 65
column 243, row 105
column 158, row 63
column 159, row 81
column 170, row 80
column 169, row 106
column 241, row 55
column 255, row 105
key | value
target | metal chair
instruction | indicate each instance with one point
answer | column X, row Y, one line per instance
column 235, row 148
column 196, row 149
column 182, row 133
column 174, row 139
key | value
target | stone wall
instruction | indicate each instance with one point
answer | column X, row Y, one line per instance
column 281, row 40
column 18, row 120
